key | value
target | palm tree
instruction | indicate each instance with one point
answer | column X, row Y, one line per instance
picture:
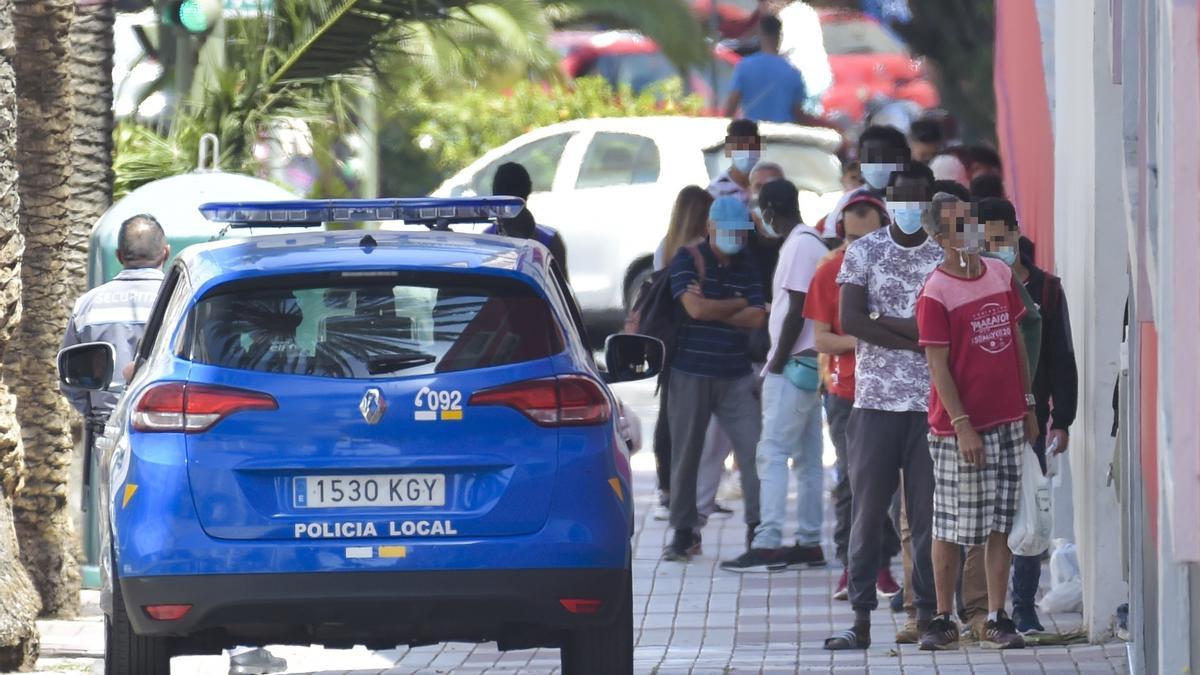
column 19, row 602
column 51, row 271
column 92, row 149
column 305, row 61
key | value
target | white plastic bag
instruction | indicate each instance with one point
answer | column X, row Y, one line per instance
column 1066, row 591
column 1032, row 524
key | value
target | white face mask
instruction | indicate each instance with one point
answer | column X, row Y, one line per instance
column 744, row 160
column 766, row 224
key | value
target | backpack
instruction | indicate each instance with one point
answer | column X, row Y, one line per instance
column 654, row 307
column 1051, row 291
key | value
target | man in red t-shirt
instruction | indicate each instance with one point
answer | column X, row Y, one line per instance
column 861, row 215
column 980, row 415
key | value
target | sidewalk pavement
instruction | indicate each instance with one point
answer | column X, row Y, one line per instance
column 689, row 619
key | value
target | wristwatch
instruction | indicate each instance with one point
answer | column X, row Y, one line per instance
column 874, row 316
column 1030, row 401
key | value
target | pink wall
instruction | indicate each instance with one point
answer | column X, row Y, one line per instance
column 1023, row 123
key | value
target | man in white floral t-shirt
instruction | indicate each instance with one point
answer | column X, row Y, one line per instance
column 887, row 433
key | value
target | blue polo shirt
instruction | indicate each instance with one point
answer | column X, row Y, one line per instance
column 770, row 87
column 713, row 348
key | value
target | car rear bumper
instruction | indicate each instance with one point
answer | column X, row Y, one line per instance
column 517, row 608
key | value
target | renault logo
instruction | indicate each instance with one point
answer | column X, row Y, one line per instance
column 373, row 405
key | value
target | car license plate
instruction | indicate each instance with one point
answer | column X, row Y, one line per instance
column 406, row 489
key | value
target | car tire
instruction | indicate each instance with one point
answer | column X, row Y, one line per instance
column 636, row 279
column 607, row 650
column 126, row 652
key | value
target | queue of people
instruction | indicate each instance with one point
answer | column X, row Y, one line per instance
column 916, row 326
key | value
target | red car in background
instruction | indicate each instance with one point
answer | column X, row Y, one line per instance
column 626, row 58
column 869, row 61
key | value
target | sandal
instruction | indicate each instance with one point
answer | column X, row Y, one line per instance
column 846, row 640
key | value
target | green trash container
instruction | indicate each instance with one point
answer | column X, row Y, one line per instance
column 174, row 202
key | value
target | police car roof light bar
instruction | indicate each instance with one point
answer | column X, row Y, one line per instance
column 434, row 213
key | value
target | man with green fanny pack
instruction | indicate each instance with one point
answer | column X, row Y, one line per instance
column 791, row 403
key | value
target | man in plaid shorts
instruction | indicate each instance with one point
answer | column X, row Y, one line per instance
column 980, row 415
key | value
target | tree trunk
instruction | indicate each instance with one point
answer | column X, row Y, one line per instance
column 19, row 602
column 92, row 148
column 52, row 272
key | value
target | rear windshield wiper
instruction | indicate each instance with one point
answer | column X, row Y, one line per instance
column 392, row 363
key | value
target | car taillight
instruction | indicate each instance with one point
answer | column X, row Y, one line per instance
column 568, row 400
column 183, row 407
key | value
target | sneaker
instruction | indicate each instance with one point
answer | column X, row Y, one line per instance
column 897, row 602
column 730, row 488
column 911, row 633
column 1027, row 621
column 842, row 592
column 754, row 560
column 885, row 585
column 255, row 662
column 662, row 510
column 696, row 548
column 720, row 511
column 940, row 635
column 1001, row 634
column 799, row 556
column 679, row 550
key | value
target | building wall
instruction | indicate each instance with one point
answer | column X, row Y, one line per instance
column 1126, row 92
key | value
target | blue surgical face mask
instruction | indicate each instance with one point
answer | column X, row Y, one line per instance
column 906, row 216
column 728, row 242
column 877, row 174
column 744, row 160
column 1008, row 255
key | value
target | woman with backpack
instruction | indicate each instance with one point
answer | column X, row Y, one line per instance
column 688, row 226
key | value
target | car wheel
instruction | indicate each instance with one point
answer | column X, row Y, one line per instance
column 607, row 650
column 636, row 280
column 125, row 651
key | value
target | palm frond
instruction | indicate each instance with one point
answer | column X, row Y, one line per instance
column 670, row 23
column 337, row 36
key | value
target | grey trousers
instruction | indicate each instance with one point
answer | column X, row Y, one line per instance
column 881, row 445
column 837, row 412
column 692, row 401
column 717, row 447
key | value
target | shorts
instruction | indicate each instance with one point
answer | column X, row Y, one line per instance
column 970, row 503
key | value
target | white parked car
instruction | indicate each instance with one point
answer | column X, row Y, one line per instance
column 608, row 186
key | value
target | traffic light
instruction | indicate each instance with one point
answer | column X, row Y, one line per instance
column 196, row 17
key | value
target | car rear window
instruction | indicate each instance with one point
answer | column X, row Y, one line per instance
column 371, row 325
column 808, row 167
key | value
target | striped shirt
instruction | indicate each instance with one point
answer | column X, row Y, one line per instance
column 714, row 348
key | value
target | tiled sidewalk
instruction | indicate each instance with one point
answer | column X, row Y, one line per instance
column 690, row 619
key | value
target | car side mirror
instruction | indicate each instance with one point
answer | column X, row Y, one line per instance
column 89, row 366
column 629, row 357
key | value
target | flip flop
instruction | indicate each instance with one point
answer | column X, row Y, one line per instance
column 847, row 640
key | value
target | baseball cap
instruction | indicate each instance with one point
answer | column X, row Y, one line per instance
column 729, row 213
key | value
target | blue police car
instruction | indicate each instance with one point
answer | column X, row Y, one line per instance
column 365, row 437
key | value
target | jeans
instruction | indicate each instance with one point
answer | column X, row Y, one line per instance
column 1027, row 574
column 791, row 429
